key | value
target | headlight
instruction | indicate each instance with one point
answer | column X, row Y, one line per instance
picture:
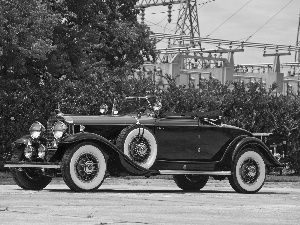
column 59, row 129
column 36, row 129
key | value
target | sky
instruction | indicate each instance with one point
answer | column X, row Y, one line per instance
column 244, row 19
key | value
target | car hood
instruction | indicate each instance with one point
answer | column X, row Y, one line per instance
column 107, row 120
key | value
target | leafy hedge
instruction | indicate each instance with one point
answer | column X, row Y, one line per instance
column 249, row 106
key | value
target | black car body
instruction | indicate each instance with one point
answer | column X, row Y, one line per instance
column 190, row 146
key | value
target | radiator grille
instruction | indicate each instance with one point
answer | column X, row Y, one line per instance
column 49, row 132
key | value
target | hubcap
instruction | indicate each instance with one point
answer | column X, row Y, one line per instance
column 86, row 167
column 249, row 171
column 139, row 149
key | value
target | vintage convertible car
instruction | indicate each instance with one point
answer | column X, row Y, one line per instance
column 84, row 150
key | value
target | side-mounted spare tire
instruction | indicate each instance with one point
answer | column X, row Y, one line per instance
column 139, row 144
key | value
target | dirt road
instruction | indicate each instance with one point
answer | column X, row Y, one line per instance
column 150, row 201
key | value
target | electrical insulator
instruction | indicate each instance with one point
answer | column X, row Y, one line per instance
column 142, row 15
column 169, row 13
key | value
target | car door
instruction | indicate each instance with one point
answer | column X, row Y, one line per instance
column 212, row 141
column 177, row 139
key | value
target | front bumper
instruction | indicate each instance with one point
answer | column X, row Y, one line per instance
column 45, row 165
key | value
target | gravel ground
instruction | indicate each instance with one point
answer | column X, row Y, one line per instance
column 150, row 201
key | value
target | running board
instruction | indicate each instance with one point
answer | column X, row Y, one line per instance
column 28, row 165
column 211, row 173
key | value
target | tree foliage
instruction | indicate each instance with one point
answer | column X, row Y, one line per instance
column 73, row 39
column 26, row 29
column 97, row 36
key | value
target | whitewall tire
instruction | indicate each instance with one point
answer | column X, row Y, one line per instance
column 139, row 144
column 84, row 167
column 248, row 172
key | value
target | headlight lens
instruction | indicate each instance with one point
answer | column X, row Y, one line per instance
column 59, row 129
column 36, row 129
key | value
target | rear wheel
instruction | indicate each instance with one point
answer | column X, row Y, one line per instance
column 84, row 167
column 248, row 172
column 28, row 178
column 190, row 182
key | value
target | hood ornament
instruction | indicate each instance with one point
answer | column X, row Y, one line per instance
column 114, row 110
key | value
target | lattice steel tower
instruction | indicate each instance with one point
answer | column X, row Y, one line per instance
column 187, row 22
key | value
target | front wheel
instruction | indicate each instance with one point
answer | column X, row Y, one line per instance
column 248, row 172
column 28, row 178
column 84, row 167
column 190, row 182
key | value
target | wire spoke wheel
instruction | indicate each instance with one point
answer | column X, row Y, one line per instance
column 139, row 149
column 248, row 171
column 139, row 144
column 86, row 167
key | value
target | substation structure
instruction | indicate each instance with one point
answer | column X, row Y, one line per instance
column 188, row 62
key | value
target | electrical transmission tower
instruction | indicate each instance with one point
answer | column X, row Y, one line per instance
column 187, row 22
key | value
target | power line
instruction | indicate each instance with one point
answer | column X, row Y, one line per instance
column 160, row 21
column 269, row 20
column 173, row 10
column 229, row 18
column 219, row 42
column 156, row 24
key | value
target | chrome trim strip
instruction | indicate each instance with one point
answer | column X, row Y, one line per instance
column 212, row 173
column 31, row 166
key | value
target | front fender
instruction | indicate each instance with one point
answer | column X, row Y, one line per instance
column 23, row 140
column 118, row 158
column 243, row 142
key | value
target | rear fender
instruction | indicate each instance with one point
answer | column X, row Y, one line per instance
column 242, row 142
column 117, row 159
